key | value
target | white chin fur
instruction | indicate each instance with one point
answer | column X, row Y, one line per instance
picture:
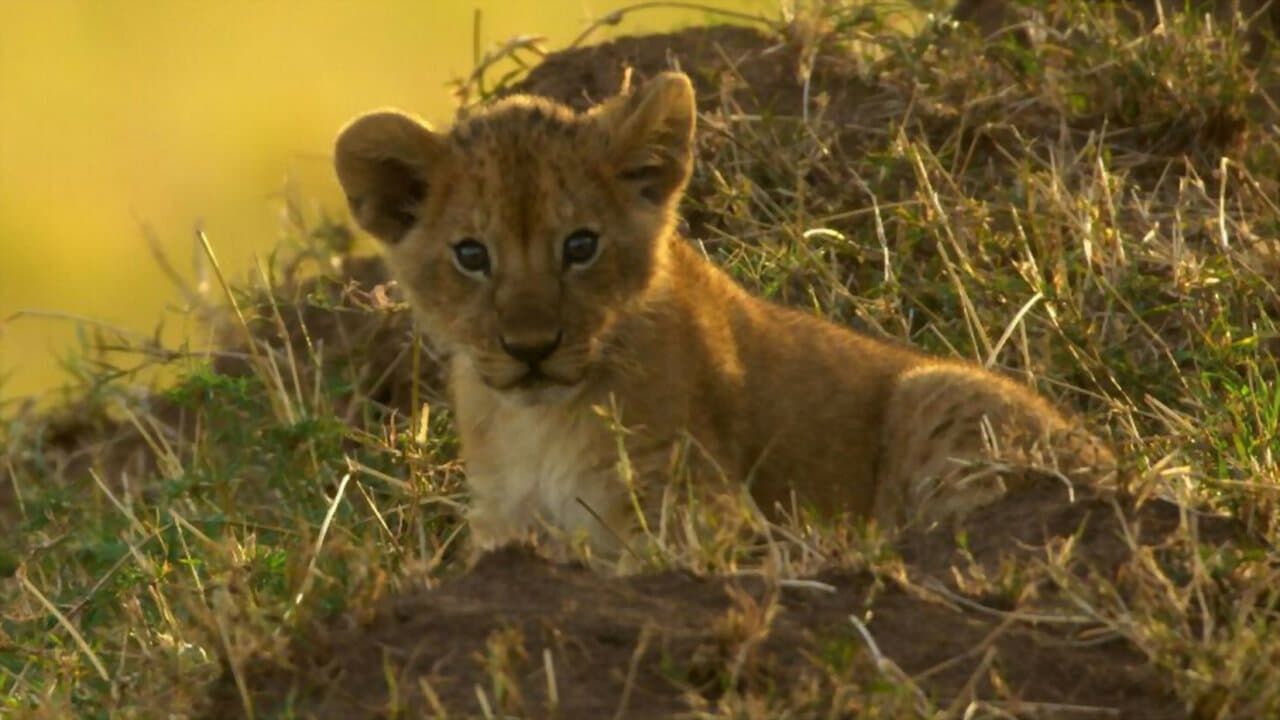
column 541, row 395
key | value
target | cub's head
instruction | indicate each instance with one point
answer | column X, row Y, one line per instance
column 521, row 235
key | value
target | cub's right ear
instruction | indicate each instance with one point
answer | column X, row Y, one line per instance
column 384, row 160
column 651, row 136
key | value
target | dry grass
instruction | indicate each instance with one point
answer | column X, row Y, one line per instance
column 1087, row 207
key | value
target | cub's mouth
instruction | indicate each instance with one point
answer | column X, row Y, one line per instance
column 548, row 376
column 538, row 387
column 535, row 379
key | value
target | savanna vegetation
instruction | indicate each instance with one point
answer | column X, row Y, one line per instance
column 1085, row 195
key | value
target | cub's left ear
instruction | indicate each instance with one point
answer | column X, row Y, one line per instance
column 650, row 134
column 385, row 161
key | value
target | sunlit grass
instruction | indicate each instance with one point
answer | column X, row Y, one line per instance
column 1094, row 213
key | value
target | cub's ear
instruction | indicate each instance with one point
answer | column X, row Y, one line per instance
column 650, row 136
column 384, row 160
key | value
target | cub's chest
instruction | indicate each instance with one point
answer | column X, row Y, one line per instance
column 545, row 451
column 539, row 467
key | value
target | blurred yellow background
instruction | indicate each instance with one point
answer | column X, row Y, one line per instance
column 119, row 114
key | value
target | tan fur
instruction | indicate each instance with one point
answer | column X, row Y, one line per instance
column 652, row 330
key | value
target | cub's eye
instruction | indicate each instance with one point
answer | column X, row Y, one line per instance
column 471, row 256
column 580, row 247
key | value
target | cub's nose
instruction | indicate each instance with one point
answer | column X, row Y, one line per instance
column 531, row 351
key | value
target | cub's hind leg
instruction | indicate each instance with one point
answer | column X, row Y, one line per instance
column 955, row 436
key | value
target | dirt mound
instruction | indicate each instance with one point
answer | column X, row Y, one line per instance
column 660, row 644
column 1019, row 526
column 740, row 67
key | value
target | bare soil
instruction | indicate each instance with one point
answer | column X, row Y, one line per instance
column 657, row 645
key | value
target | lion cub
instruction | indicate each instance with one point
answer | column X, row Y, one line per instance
column 537, row 248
